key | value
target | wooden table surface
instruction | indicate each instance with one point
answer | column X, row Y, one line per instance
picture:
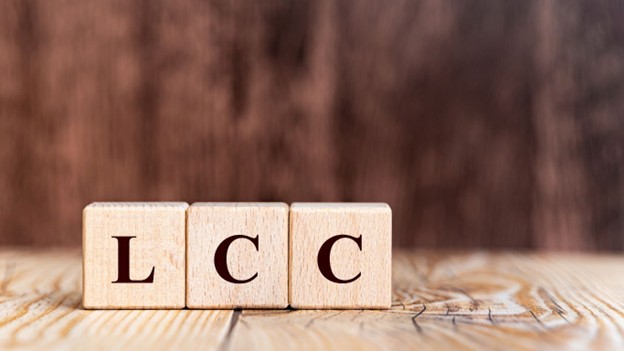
column 442, row 300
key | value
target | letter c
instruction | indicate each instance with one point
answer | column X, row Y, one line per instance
column 323, row 258
column 220, row 259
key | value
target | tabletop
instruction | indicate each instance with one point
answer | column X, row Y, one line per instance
column 441, row 300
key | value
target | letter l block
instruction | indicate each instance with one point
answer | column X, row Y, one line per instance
column 134, row 255
column 237, row 255
column 340, row 255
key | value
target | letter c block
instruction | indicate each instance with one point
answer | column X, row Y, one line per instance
column 340, row 255
column 237, row 255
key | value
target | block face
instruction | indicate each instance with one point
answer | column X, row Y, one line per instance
column 352, row 278
column 158, row 229
column 225, row 232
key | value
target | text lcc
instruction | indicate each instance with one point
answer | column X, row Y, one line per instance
column 220, row 259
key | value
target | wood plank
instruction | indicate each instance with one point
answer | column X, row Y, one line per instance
column 442, row 300
column 466, row 301
column 40, row 299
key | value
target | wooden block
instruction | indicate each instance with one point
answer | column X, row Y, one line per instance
column 237, row 255
column 134, row 255
column 340, row 255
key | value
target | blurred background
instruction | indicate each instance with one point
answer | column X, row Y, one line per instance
column 484, row 124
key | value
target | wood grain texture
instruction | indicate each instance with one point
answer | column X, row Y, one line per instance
column 360, row 262
column 441, row 301
column 465, row 301
column 482, row 123
column 155, row 249
column 40, row 308
column 209, row 225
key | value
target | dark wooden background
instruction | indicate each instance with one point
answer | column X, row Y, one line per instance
column 482, row 123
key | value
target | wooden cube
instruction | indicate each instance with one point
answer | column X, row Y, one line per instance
column 237, row 255
column 134, row 255
column 340, row 255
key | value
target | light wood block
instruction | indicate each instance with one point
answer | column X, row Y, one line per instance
column 146, row 238
column 353, row 272
column 237, row 255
